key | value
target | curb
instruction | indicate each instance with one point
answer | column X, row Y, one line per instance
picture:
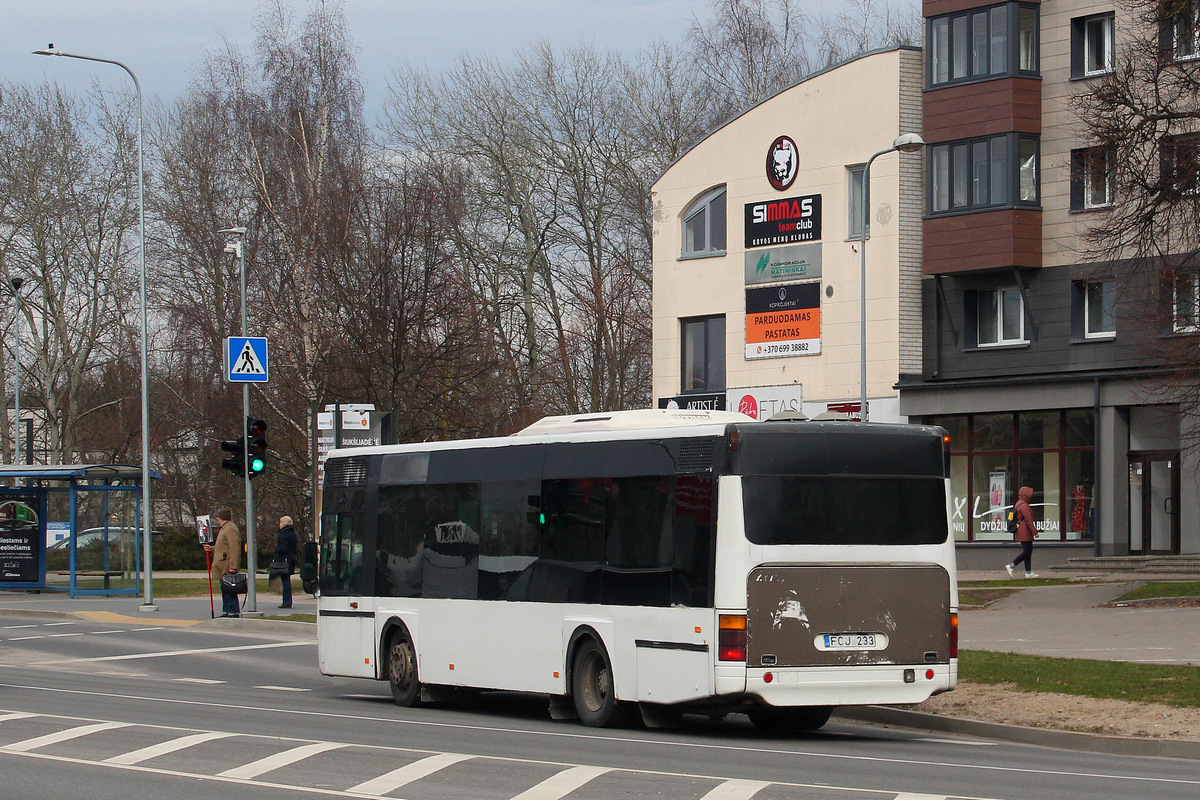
column 1045, row 737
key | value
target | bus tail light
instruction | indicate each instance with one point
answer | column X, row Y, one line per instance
column 954, row 635
column 731, row 637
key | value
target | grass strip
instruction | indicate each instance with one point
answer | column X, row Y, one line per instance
column 1112, row 680
column 1156, row 589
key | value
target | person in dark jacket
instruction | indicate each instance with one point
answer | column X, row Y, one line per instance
column 1026, row 532
column 285, row 548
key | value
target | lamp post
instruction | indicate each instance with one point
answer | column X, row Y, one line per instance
column 236, row 241
column 147, row 555
column 16, row 285
column 905, row 143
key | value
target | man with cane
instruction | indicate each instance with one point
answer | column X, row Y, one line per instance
column 226, row 553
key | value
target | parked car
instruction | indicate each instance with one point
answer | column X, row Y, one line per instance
column 89, row 550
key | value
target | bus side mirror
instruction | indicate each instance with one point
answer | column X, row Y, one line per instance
column 308, row 562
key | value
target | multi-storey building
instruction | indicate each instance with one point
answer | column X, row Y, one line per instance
column 1041, row 376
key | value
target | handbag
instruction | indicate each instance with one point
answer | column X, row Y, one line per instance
column 234, row 582
column 279, row 568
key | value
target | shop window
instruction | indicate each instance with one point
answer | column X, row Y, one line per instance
column 979, row 44
column 1091, row 178
column 703, row 354
column 999, row 317
column 989, row 172
column 1092, row 45
column 704, row 225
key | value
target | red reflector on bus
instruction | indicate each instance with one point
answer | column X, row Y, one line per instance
column 768, row 678
column 928, row 674
column 731, row 637
column 954, row 635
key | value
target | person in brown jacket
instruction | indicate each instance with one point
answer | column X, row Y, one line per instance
column 226, row 558
column 1026, row 531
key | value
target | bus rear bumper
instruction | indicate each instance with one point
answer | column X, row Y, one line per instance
column 844, row 686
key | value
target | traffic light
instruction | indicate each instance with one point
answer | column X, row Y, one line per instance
column 236, row 463
column 256, row 445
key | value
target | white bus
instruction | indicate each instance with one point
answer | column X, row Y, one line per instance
column 672, row 561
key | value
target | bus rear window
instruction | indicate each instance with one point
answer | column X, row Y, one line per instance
column 844, row 509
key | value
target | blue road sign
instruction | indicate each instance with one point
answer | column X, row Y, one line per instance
column 246, row 359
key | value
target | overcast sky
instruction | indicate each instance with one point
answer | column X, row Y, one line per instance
column 163, row 40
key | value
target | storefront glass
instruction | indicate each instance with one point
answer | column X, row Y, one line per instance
column 1051, row 451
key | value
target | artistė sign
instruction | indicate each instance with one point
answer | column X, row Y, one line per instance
column 20, row 539
column 792, row 263
column 764, row 402
column 783, row 321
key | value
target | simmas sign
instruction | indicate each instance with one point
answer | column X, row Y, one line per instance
column 783, row 320
column 791, row 219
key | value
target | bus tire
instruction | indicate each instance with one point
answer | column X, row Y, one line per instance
column 789, row 720
column 593, row 688
column 402, row 670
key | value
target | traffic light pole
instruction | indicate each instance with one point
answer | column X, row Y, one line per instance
column 251, row 567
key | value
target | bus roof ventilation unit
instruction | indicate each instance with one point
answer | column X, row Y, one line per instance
column 639, row 419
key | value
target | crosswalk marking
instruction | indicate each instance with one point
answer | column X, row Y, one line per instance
column 61, row 736
column 407, row 774
column 736, row 790
column 562, row 784
column 163, row 748
column 15, row 715
column 263, row 765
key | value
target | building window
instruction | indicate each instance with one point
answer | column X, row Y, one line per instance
column 1185, row 304
column 1179, row 162
column 1091, row 178
column 991, row 172
column 980, row 43
column 999, row 316
column 704, row 225
column 1091, row 45
column 703, row 354
column 854, row 186
column 993, row 455
column 1099, row 309
column 1182, row 29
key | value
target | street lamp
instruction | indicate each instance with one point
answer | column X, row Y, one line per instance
column 235, row 243
column 905, row 143
column 148, row 602
column 16, row 285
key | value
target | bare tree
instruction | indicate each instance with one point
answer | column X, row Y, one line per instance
column 1144, row 122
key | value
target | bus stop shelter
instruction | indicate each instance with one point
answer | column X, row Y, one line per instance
column 30, row 493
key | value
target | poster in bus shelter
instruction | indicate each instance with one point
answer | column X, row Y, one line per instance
column 783, row 320
column 22, row 543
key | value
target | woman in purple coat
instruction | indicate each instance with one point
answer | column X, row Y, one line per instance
column 1026, row 531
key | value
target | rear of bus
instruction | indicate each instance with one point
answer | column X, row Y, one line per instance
column 835, row 574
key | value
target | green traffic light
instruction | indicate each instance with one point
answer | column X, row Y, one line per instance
column 257, row 465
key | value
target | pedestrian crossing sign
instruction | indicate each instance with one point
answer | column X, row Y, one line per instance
column 246, row 359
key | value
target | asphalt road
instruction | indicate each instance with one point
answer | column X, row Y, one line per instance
column 125, row 708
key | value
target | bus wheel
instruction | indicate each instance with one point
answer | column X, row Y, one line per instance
column 787, row 720
column 593, row 689
column 402, row 671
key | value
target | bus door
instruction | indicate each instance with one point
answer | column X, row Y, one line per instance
column 345, row 619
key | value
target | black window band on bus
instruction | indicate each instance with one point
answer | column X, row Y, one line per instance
column 690, row 647
column 325, row 612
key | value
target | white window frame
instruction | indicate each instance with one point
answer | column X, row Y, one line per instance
column 1105, row 24
column 1090, row 156
column 1107, row 312
column 704, row 205
column 1003, row 297
column 1185, row 38
column 1185, row 294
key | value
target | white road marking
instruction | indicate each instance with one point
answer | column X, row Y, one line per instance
column 170, row 653
column 163, row 748
column 736, row 790
column 968, row 742
column 61, row 736
column 56, row 624
column 205, row 681
column 562, row 784
column 390, row 781
column 62, row 635
column 279, row 760
column 25, row 639
column 912, row 796
column 16, row 715
column 139, row 630
column 17, row 627
column 101, row 633
column 283, row 688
